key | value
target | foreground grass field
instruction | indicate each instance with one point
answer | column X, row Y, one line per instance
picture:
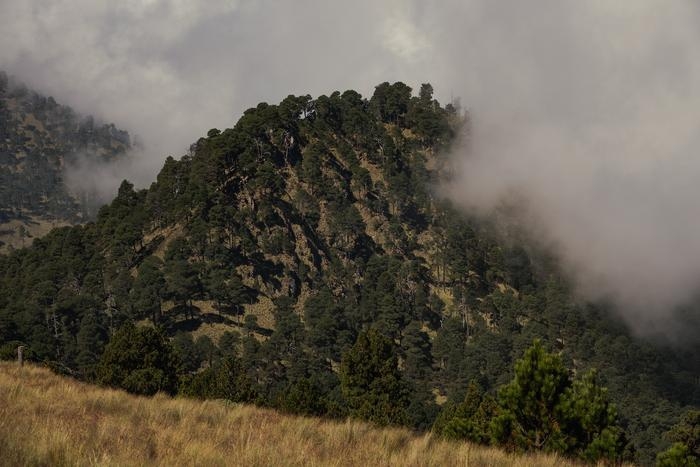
column 46, row 419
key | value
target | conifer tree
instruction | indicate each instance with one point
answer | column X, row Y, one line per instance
column 139, row 360
column 685, row 436
column 541, row 409
column 371, row 381
column 91, row 339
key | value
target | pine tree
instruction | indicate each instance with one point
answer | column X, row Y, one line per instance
column 182, row 283
column 685, row 436
column 542, row 409
column 371, row 381
column 148, row 288
column 139, row 360
column 528, row 420
column 470, row 419
column 91, row 339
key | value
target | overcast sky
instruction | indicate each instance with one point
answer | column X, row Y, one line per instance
column 168, row 70
column 585, row 111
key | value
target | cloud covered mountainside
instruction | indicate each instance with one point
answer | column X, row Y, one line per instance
column 284, row 239
column 51, row 162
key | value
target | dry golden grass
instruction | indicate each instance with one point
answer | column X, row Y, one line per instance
column 46, row 419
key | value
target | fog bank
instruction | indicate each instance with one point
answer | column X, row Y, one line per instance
column 585, row 113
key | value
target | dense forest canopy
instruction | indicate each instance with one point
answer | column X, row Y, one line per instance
column 301, row 260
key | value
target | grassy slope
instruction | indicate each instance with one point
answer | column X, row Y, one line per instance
column 37, row 227
column 46, row 419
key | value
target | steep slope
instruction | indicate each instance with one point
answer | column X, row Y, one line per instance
column 38, row 139
column 282, row 239
column 51, row 420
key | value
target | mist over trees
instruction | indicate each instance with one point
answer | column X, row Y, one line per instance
column 41, row 143
column 301, row 260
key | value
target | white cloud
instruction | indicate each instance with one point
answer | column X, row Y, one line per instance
column 402, row 38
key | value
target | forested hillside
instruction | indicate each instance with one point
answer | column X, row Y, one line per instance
column 39, row 138
column 301, row 260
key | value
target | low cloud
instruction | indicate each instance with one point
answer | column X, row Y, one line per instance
column 584, row 112
column 587, row 121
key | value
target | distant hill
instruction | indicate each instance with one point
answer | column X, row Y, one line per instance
column 46, row 419
column 280, row 242
column 39, row 138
